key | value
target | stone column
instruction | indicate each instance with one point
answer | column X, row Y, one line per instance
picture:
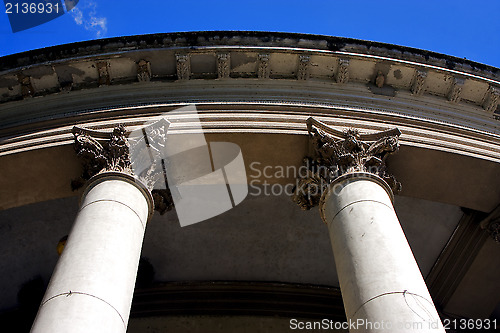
column 92, row 285
column 382, row 287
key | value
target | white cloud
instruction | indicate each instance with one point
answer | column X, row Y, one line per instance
column 77, row 16
column 85, row 14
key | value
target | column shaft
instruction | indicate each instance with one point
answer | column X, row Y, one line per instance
column 380, row 281
column 92, row 286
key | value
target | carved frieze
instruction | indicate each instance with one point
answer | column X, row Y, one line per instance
column 103, row 71
column 491, row 99
column 334, row 153
column 144, row 71
column 342, row 75
column 27, row 89
column 102, row 154
column 417, row 87
column 138, row 156
column 380, row 79
column 455, row 89
column 183, row 66
column 223, row 65
column 263, row 69
column 303, row 70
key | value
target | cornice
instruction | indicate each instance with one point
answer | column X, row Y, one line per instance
column 250, row 82
column 251, row 55
column 330, row 66
column 236, row 38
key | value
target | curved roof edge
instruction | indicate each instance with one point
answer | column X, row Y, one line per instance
column 235, row 38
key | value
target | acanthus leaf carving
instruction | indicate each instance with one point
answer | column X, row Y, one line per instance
column 143, row 71
column 183, row 66
column 380, row 79
column 455, row 89
column 103, row 72
column 263, row 69
column 27, row 89
column 418, row 84
column 117, row 152
column 335, row 153
column 303, row 70
column 223, row 65
column 100, row 153
column 342, row 75
column 491, row 99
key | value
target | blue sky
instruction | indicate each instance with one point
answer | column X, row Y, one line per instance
column 466, row 29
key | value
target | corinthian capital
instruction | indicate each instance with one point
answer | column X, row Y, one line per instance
column 334, row 153
column 138, row 154
column 101, row 152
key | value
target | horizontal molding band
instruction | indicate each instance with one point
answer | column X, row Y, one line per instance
column 239, row 298
column 267, row 119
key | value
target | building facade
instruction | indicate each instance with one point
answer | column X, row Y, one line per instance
column 398, row 147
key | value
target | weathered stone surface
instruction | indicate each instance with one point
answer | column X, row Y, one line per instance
column 144, row 71
column 223, row 65
column 112, row 152
column 342, row 75
column 303, row 70
column 263, row 70
column 418, row 85
column 335, row 153
column 183, row 66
